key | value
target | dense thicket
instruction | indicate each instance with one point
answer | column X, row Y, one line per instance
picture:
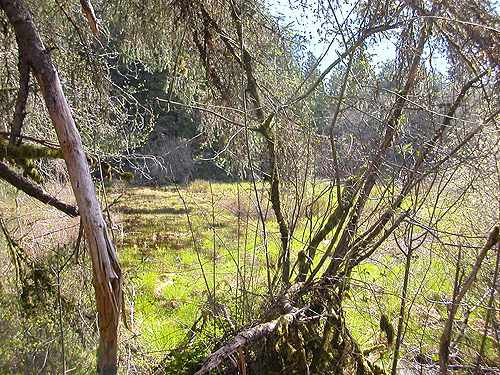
column 361, row 162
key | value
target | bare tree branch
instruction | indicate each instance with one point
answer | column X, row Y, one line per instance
column 22, row 97
column 444, row 344
column 35, row 191
column 88, row 10
column 245, row 338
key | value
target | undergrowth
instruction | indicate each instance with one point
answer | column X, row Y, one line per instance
column 197, row 264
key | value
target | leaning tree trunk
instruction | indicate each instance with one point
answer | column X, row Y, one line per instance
column 107, row 276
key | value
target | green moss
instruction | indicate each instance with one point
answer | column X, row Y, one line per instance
column 27, row 151
column 127, row 176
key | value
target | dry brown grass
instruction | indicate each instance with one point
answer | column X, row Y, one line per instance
column 38, row 227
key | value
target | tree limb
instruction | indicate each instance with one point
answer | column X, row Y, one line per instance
column 35, row 191
column 43, row 142
column 88, row 9
column 373, row 168
column 444, row 344
column 245, row 338
column 22, row 97
column 107, row 275
column 355, row 44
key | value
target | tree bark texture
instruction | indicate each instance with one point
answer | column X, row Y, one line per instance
column 88, row 10
column 107, row 277
column 35, row 191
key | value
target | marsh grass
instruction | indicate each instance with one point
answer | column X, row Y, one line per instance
column 196, row 271
column 197, row 251
column 191, row 252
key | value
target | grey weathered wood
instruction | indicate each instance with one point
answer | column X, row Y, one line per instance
column 245, row 338
column 106, row 267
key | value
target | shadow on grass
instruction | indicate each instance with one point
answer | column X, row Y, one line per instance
column 159, row 210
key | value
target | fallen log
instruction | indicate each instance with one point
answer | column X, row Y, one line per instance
column 245, row 338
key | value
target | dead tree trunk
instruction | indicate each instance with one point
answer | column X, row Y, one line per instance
column 106, row 267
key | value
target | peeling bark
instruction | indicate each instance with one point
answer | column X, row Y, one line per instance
column 107, row 277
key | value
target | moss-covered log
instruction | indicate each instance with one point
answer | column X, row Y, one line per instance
column 307, row 341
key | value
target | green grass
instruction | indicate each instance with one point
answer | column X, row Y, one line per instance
column 183, row 245
column 180, row 247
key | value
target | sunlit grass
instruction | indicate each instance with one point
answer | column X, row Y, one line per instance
column 186, row 251
column 181, row 247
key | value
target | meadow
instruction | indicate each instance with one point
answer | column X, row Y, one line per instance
column 197, row 261
column 197, row 254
